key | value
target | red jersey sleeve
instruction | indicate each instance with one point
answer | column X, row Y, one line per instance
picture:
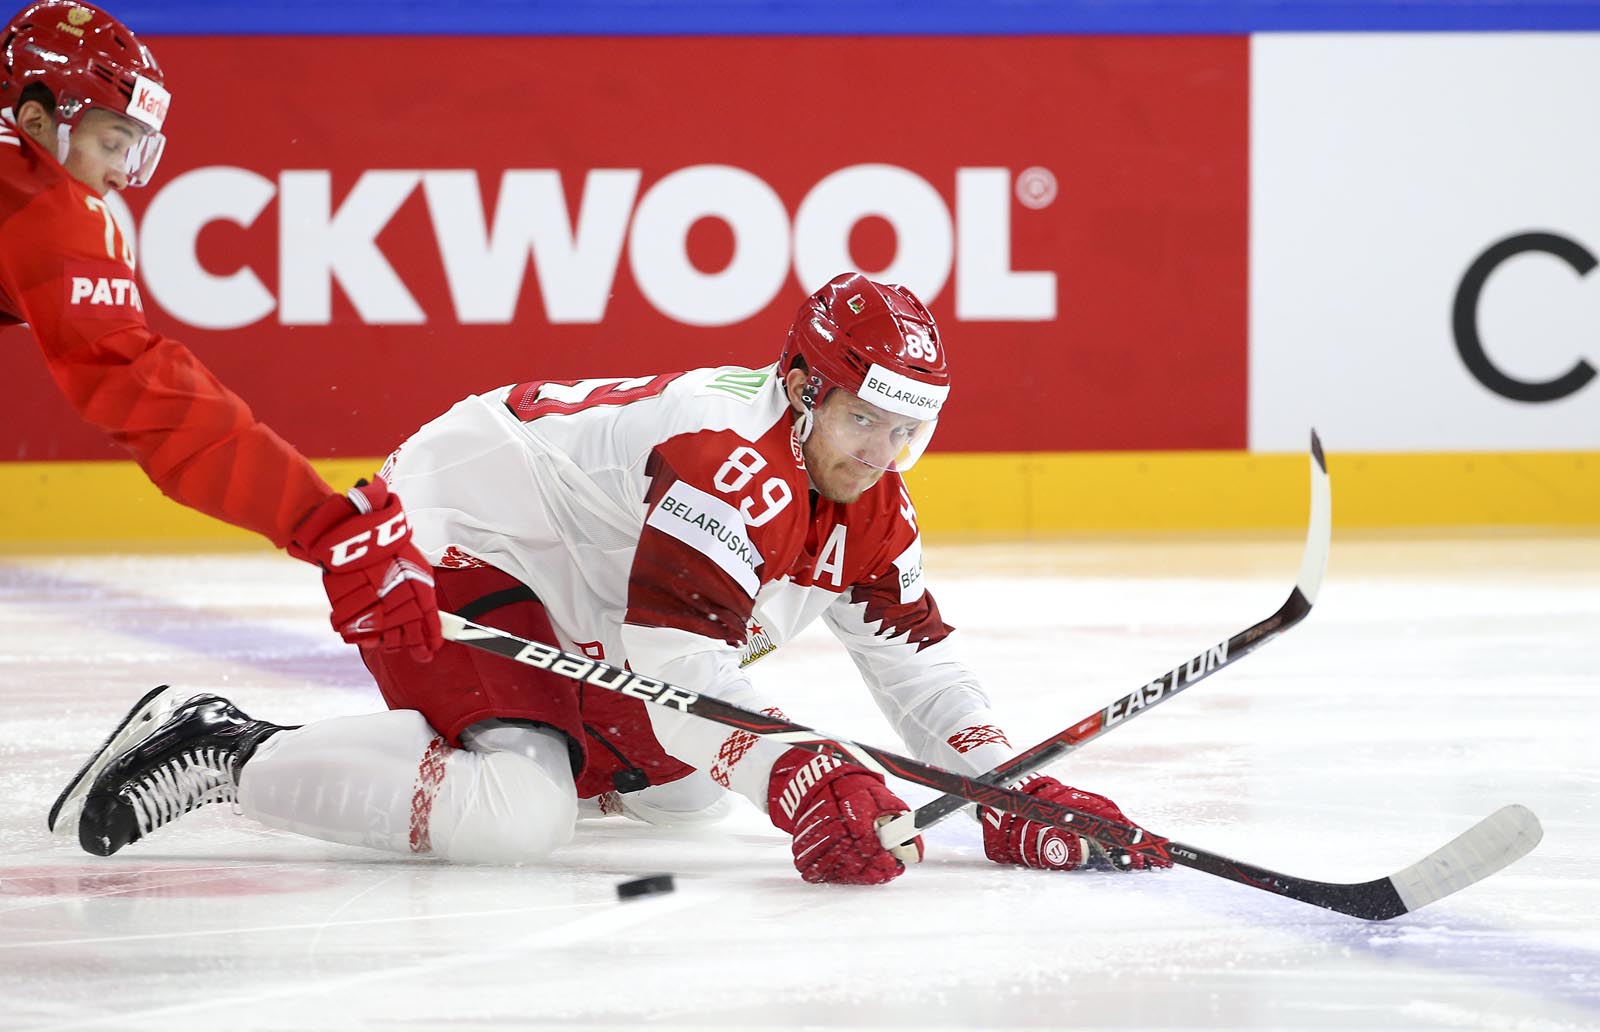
column 726, row 515
column 64, row 271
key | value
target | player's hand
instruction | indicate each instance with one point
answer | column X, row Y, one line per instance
column 1009, row 839
column 833, row 810
column 379, row 584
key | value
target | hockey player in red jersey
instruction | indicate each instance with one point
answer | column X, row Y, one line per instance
column 683, row 524
column 82, row 104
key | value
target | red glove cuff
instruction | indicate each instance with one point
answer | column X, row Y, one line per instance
column 380, row 586
column 348, row 531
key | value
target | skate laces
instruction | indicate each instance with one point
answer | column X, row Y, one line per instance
column 189, row 780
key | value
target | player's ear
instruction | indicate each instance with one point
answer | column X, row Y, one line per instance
column 793, row 383
column 35, row 120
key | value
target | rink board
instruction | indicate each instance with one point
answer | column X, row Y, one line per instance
column 1148, row 295
column 1076, row 226
column 48, row 505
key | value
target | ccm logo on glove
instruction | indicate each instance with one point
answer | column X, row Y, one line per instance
column 388, row 532
column 379, row 584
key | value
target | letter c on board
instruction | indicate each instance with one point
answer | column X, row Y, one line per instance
column 1465, row 318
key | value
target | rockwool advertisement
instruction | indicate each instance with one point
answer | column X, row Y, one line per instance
column 356, row 232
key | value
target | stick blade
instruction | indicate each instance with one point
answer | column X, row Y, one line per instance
column 1497, row 841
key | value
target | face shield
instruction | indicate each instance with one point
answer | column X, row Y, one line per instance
column 887, row 424
column 146, row 112
column 138, row 162
column 143, row 157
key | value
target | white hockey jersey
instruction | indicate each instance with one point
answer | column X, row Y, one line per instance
column 667, row 522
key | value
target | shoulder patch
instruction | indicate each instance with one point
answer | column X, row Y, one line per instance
column 712, row 527
column 735, row 382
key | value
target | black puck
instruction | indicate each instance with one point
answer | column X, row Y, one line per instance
column 656, row 883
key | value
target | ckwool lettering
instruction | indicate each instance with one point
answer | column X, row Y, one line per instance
column 577, row 253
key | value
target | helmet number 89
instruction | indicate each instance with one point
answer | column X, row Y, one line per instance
column 918, row 346
column 737, row 473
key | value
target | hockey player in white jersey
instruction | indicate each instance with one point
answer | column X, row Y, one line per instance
column 683, row 524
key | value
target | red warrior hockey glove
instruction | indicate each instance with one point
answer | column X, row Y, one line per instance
column 833, row 810
column 1009, row 839
column 380, row 586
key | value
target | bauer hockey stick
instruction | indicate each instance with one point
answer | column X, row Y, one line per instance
column 1313, row 563
column 1497, row 840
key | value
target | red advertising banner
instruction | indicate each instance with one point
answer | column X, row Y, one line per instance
column 353, row 233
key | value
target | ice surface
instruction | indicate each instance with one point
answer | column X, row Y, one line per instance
column 1436, row 680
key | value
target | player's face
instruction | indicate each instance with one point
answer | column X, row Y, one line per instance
column 853, row 442
column 97, row 155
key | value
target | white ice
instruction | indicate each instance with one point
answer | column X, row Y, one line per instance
column 1436, row 680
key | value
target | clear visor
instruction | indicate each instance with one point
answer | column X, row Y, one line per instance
column 871, row 435
column 143, row 157
column 139, row 146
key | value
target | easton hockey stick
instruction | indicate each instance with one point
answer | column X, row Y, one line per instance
column 1497, row 840
column 1313, row 563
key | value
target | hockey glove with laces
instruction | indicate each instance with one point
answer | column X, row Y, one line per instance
column 1009, row 839
column 379, row 584
column 833, row 810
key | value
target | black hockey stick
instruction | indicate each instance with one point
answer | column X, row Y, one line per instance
column 1497, row 840
column 1313, row 563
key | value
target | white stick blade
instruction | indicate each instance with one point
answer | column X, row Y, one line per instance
column 1500, row 839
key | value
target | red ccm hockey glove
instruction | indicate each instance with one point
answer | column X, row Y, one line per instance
column 833, row 810
column 380, row 586
column 1009, row 839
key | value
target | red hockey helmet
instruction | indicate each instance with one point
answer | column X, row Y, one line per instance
column 878, row 342
column 87, row 59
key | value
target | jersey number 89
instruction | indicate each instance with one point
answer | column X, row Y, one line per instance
column 736, row 474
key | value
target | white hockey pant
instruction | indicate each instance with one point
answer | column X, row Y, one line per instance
column 388, row 781
column 694, row 799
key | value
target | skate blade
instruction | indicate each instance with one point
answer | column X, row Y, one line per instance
column 142, row 720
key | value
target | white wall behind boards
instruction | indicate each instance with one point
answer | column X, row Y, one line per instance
column 1384, row 169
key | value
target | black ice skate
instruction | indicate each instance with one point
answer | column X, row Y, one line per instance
column 189, row 761
column 142, row 720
